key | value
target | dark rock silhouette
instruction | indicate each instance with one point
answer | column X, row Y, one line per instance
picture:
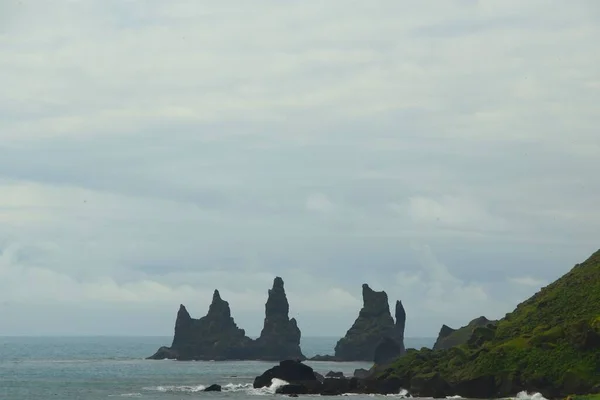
column 213, row 388
column 280, row 336
column 400, row 325
column 302, row 379
column 212, row 337
column 387, row 351
column 326, row 357
column 217, row 337
column 361, row 373
column 291, row 371
column 334, row 374
column 449, row 337
column 373, row 324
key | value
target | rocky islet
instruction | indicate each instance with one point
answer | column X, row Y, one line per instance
column 217, row 337
column 374, row 336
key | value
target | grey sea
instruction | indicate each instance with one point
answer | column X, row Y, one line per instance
column 91, row 368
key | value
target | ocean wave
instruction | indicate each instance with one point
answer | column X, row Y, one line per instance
column 249, row 389
column 275, row 384
column 126, row 395
column 237, row 387
column 230, row 387
column 529, row 396
column 172, row 388
column 454, row 397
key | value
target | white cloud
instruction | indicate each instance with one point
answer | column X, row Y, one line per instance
column 528, row 281
column 319, row 202
column 150, row 153
column 453, row 212
column 433, row 295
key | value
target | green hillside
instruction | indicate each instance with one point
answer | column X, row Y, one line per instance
column 549, row 343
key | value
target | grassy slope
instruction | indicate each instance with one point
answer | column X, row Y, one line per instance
column 462, row 334
column 548, row 338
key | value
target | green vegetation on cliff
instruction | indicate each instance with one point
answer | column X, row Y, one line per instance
column 585, row 397
column 449, row 337
column 549, row 343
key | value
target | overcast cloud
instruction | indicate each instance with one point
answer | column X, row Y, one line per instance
column 152, row 151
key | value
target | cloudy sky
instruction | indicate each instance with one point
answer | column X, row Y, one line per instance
column 152, row 151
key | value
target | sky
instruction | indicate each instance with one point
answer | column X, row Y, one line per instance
column 153, row 151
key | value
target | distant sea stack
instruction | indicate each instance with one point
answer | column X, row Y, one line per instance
column 217, row 337
column 374, row 326
column 449, row 337
column 212, row 337
column 280, row 336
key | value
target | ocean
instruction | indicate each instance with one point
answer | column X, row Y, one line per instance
column 93, row 368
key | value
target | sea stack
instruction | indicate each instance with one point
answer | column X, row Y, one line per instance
column 373, row 325
column 212, row 337
column 217, row 337
column 280, row 336
column 400, row 325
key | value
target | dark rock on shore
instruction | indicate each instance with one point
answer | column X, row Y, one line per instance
column 293, row 389
column 361, row 373
column 334, row 374
column 217, row 337
column 373, row 324
column 302, row 380
column 449, row 337
column 291, row 371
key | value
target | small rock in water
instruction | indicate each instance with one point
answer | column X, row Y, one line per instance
column 213, row 388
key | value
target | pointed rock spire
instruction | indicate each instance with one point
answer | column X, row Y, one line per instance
column 280, row 336
column 374, row 322
column 217, row 337
column 400, row 321
column 219, row 307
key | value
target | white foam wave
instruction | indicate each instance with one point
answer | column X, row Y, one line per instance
column 168, row 389
column 237, row 387
column 529, row 396
column 275, row 384
column 454, row 397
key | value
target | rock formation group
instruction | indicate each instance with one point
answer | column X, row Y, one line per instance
column 217, row 337
column 374, row 336
column 549, row 344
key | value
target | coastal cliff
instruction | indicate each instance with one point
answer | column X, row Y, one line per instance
column 549, row 344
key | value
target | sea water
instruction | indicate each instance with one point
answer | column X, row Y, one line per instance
column 92, row 368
